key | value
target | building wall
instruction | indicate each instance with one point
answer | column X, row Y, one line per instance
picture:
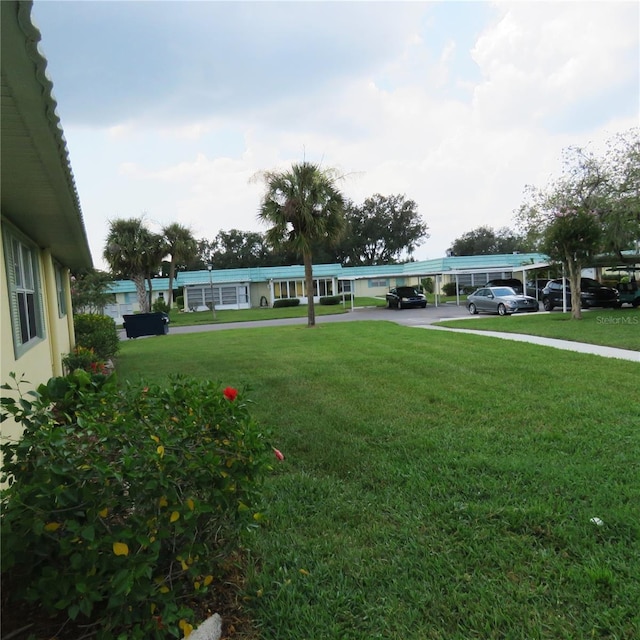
column 43, row 359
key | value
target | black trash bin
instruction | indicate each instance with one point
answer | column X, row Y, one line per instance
column 146, row 324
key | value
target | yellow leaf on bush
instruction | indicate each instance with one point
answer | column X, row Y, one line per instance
column 257, row 517
column 103, row 513
column 208, row 580
column 153, row 607
column 155, row 439
column 52, row 526
column 186, row 627
column 196, row 585
column 191, row 504
column 121, row 548
column 174, row 516
column 163, row 502
column 164, row 589
column 160, row 451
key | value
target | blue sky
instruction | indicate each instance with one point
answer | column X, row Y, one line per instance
column 171, row 107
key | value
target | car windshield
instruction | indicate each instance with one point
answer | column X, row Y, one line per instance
column 503, row 291
column 406, row 291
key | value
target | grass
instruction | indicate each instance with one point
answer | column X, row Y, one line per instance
column 180, row 319
column 610, row 327
column 436, row 485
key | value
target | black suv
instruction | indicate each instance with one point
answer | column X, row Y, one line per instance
column 592, row 294
column 514, row 283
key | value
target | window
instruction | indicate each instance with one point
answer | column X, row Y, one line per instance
column 61, row 292
column 380, row 282
column 25, row 295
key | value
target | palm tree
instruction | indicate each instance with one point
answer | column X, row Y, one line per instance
column 130, row 249
column 304, row 207
column 181, row 246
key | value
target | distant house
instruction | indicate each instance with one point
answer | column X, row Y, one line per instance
column 43, row 234
column 126, row 297
column 262, row 286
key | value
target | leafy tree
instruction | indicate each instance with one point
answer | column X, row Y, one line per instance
column 236, row 249
column 568, row 216
column 381, row 230
column 181, row 246
column 132, row 252
column 89, row 291
column 484, row 240
column 303, row 206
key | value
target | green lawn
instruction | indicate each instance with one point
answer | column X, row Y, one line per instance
column 436, row 485
column 611, row 327
column 180, row 319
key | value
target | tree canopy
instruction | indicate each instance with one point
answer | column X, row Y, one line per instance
column 381, row 230
column 181, row 246
column 484, row 240
column 593, row 207
column 303, row 207
column 133, row 252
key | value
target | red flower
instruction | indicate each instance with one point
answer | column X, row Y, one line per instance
column 278, row 454
column 230, row 393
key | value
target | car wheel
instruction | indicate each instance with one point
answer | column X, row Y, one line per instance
column 472, row 309
column 424, row 306
column 399, row 305
column 502, row 310
column 389, row 305
column 635, row 303
column 547, row 304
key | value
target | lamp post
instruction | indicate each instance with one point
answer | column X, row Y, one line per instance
column 213, row 302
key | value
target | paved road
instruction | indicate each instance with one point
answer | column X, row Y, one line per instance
column 419, row 318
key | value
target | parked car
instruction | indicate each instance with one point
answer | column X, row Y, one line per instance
column 400, row 297
column 592, row 294
column 500, row 300
column 514, row 283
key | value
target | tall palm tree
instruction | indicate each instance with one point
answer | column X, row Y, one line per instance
column 181, row 246
column 129, row 250
column 303, row 206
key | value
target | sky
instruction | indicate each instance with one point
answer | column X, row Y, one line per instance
column 171, row 109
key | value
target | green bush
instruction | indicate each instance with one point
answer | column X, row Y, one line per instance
column 449, row 289
column 85, row 359
column 286, row 302
column 123, row 505
column 98, row 333
column 160, row 306
column 179, row 302
column 328, row 300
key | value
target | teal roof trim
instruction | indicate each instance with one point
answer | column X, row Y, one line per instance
column 504, row 262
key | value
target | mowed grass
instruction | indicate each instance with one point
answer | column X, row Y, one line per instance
column 180, row 319
column 436, row 485
column 610, row 327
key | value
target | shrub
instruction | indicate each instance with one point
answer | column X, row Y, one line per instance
column 98, row 333
column 179, row 301
column 449, row 288
column 123, row 505
column 328, row 300
column 286, row 302
column 85, row 359
column 160, row 306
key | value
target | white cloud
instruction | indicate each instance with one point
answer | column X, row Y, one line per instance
column 456, row 105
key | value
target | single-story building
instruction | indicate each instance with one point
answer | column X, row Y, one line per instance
column 43, row 233
column 262, row 286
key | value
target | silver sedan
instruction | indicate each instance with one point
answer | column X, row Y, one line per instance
column 500, row 300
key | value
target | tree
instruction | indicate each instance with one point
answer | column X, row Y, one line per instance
column 568, row 217
column 485, row 240
column 89, row 291
column 131, row 251
column 380, row 230
column 181, row 246
column 303, row 206
column 236, row 249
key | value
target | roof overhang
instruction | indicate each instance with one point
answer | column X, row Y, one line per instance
column 38, row 192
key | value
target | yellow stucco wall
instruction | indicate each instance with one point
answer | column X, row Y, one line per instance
column 44, row 359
